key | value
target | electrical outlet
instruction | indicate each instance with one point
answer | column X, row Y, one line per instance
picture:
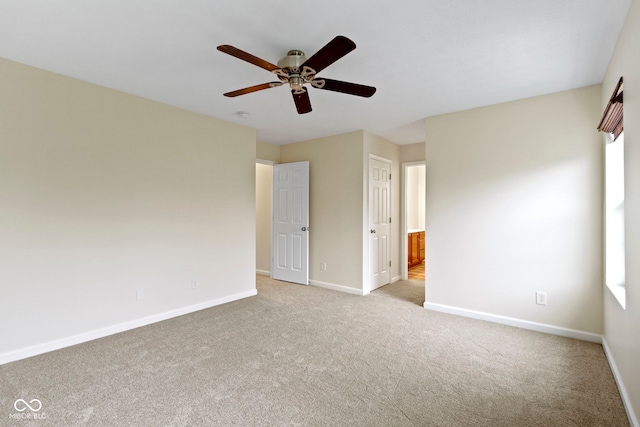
column 194, row 284
column 541, row 298
column 139, row 294
column 323, row 266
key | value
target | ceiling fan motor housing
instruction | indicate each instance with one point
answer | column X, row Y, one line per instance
column 291, row 73
column 293, row 60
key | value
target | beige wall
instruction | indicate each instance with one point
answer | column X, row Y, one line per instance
column 622, row 327
column 103, row 193
column 412, row 152
column 416, row 179
column 335, row 206
column 266, row 151
column 338, row 205
column 514, row 206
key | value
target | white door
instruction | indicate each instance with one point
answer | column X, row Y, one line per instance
column 290, row 240
column 379, row 221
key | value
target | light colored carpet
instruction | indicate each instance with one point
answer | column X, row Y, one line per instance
column 305, row 356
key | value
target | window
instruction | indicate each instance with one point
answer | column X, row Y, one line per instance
column 614, row 224
column 612, row 123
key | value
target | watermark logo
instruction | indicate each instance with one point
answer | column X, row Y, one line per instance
column 21, row 405
column 33, row 405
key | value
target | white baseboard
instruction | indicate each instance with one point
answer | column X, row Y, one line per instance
column 335, row 287
column 395, row 279
column 263, row 273
column 35, row 350
column 633, row 420
column 519, row 323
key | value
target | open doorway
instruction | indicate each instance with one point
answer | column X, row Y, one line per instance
column 414, row 238
column 264, row 180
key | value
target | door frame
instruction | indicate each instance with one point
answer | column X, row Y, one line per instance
column 404, row 240
column 366, row 264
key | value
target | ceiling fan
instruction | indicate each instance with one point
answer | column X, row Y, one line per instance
column 297, row 70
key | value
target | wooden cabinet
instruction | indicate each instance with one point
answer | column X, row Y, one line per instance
column 415, row 250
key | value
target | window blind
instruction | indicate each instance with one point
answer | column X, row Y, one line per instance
column 612, row 117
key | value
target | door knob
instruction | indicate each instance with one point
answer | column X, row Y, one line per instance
column 305, row 228
column 373, row 231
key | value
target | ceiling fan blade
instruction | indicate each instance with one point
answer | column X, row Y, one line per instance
column 252, row 89
column 344, row 87
column 241, row 54
column 301, row 98
column 330, row 53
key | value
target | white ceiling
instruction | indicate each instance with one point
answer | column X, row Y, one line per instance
column 426, row 57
